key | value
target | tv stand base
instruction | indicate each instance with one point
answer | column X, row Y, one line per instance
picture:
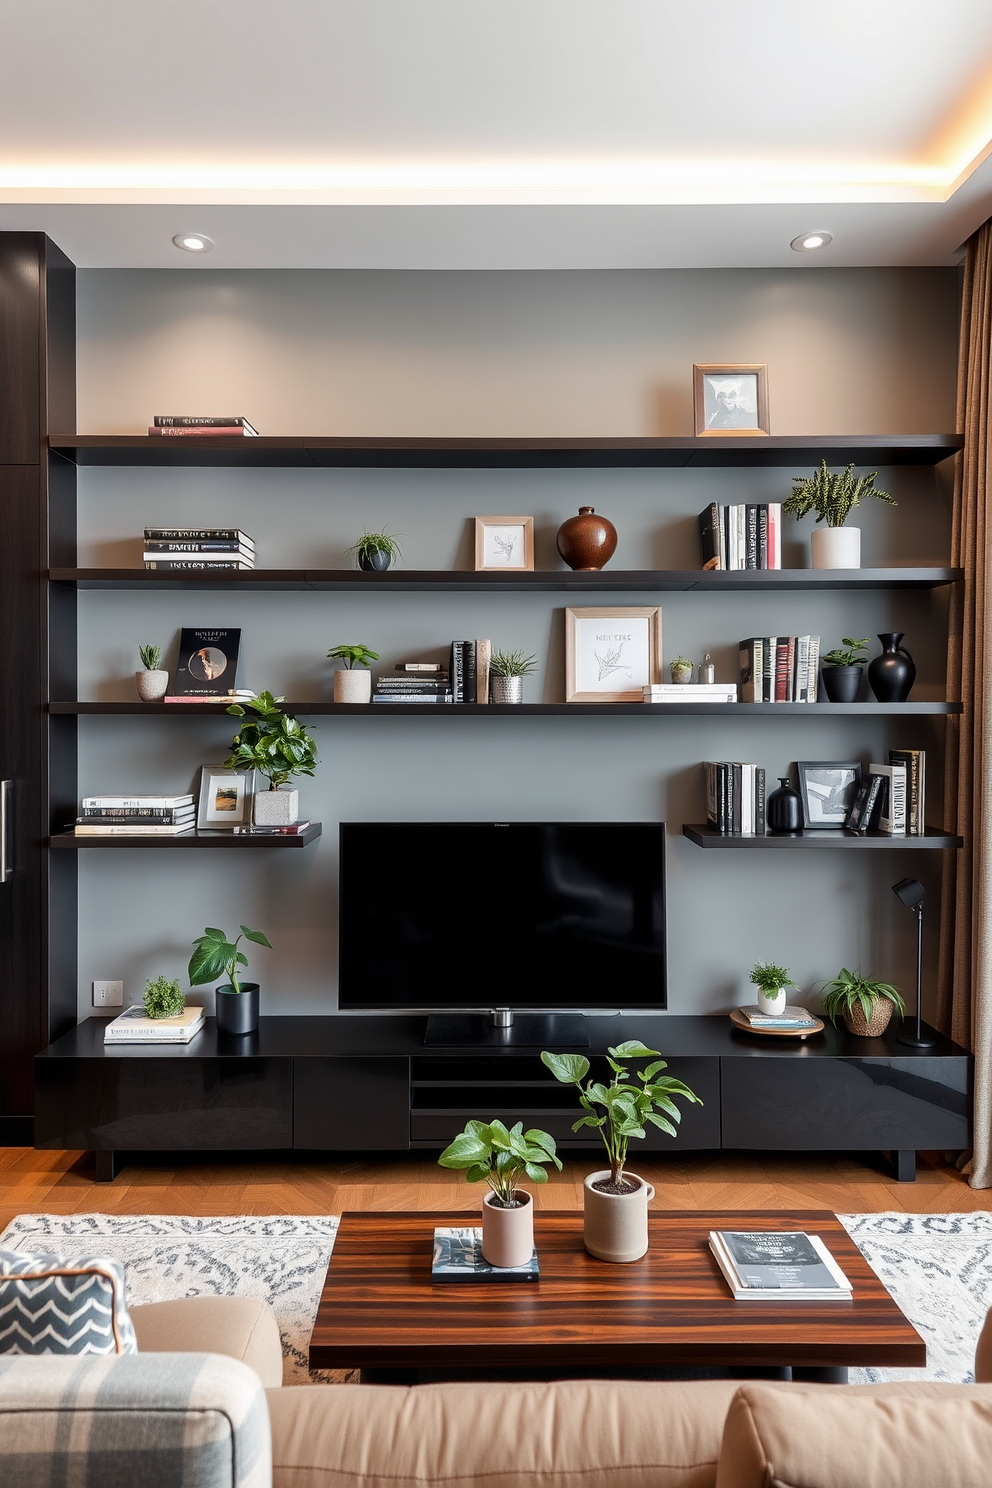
column 524, row 1031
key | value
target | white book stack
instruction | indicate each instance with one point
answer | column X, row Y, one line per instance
column 134, row 1026
column 690, row 692
column 135, row 816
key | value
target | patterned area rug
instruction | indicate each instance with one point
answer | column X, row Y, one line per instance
column 938, row 1268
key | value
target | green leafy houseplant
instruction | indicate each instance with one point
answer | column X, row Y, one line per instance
column 150, row 657
column 353, row 656
column 512, row 664
column 850, row 653
column 490, row 1152
column 215, row 956
column 769, row 978
column 370, row 545
column 849, row 991
column 273, row 743
column 626, row 1107
column 164, row 998
column 832, row 494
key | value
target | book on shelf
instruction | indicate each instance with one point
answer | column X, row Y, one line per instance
column 136, row 803
column 214, row 565
column 789, row 1017
column 778, row 1266
column 915, row 762
column 458, row 1257
column 156, row 548
column 101, row 829
column 779, row 669
column 199, row 534
column 109, row 816
column 690, row 692
column 892, row 807
column 483, row 656
column 198, row 421
column 735, row 798
column 415, row 682
column 463, row 671
column 295, row 829
column 864, row 805
column 406, row 698
column 133, row 1026
column 741, row 537
column 208, row 663
column 437, row 668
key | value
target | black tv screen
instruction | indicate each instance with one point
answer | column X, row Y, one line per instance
column 479, row 915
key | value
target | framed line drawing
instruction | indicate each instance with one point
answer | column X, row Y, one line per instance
column 225, row 800
column 730, row 401
column 611, row 652
column 504, row 544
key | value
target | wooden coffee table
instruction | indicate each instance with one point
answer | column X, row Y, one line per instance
column 379, row 1310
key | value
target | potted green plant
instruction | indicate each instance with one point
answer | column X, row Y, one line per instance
column 164, row 998
column 278, row 747
column 152, row 682
column 353, row 681
column 833, row 495
column 507, row 670
column 865, row 1004
column 772, row 982
column 615, row 1220
column 681, row 670
column 214, row 955
column 491, row 1153
column 375, row 551
column 843, row 669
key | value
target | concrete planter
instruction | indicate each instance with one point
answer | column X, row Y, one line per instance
column 276, row 808
column 152, row 686
column 353, row 685
column 615, row 1226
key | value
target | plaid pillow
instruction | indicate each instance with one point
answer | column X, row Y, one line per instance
column 55, row 1305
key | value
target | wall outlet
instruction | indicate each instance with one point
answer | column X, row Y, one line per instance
column 108, row 994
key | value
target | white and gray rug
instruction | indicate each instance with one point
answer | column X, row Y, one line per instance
column 938, row 1268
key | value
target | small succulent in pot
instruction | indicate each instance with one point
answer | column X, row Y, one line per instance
column 681, row 669
column 164, row 998
column 843, row 669
column 375, row 551
column 507, row 669
column 864, row 1003
column 772, row 982
column 152, row 682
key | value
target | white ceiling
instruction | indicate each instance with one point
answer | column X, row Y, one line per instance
column 468, row 134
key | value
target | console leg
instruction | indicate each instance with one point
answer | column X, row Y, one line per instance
column 835, row 1375
column 904, row 1165
column 108, row 1165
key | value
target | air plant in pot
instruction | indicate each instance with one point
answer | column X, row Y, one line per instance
column 833, row 495
column 375, row 551
column 278, row 747
column 507, row 670
column 214, row 955
column 843, row 668
column 152, row 681
column 490, row 1152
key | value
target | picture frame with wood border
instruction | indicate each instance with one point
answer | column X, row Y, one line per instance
column 730, row 401
column 611, row 652
column 504, row 544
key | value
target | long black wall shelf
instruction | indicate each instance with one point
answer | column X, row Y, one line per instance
column 610, row 580
column 702, row 451
column 704, row 836
column 196, row 839
column 532, row 710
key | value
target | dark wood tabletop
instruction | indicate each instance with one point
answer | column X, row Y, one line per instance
column 380, row 1310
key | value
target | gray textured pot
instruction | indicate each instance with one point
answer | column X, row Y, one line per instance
column 615, row 1226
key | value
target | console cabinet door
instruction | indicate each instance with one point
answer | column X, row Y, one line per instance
column 353, row 1104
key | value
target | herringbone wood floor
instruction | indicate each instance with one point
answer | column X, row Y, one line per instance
column 63, row 1183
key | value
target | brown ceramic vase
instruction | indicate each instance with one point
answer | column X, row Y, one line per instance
column 587, row 541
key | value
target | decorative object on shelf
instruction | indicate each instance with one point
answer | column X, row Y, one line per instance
column 353, row 681
column 892, row 674
column 615, row 1225
column 507, row 670
column 730, row 400
column 612, row 653
column 910, row 891
column 215, row 956
column 784, row 810
column 375, row 551
column 833, row 495
column 843, row 669
column 491, row 1153
column 866, row 1005
column 504, row 544
column 208, row 663
column 828, row 789
column 277, row 746
column 772, row 983
column 152, row 683
column 681, row 670
column 588, row 541
column 182, row 549
column 225, row 800
column 164, row 998
column 795, row 1022
column 706, row 671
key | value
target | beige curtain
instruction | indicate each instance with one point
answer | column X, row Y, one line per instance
column 965, row 981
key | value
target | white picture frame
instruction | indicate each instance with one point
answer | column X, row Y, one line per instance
column 225, row 799
column 611, row 652
column 504, row 544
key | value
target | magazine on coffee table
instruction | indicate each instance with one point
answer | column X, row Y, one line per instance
column 778, row 1266
column 458, row 1257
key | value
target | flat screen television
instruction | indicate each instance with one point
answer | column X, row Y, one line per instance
column 525, row 916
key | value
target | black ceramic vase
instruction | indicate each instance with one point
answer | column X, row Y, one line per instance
column 375, row 562
column 842, row 684
column 784, row 810
column 891, row 675
column 237, row 1012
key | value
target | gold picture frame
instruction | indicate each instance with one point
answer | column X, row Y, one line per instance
column 730, row 401
column 611, row 652
column 504, row 544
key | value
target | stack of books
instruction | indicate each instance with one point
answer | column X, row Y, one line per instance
column 778, row 1266
column 795, row 1019
column 889, row 799
column 135, row 816
column 470, row 671
column 234, row 426
column 690, row 692
column 736, row 538
column 415, row 682
column 915, row 761
column 177, row 548
column 779, row 669
column 134, row 1026
column 735, row 798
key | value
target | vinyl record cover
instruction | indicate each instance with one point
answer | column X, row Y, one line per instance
column 208, row 663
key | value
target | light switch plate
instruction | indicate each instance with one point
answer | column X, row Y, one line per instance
column 108, row 994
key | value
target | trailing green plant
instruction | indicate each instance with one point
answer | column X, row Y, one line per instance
column 150, row 657
column 850, row 653
column 770, row 978
column 490, row 1152
column 164, row 998
column 511, row 664
column 626, row 1108
column 215, row 956
column 850, row 989
column 273, row 743
column 375, row 542
column 353, row 656
column 832, row 494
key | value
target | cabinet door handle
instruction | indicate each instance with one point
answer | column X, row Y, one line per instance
column 6, row 792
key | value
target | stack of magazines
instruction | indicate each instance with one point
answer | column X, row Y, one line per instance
column 778, row 1266
column 793, row 1018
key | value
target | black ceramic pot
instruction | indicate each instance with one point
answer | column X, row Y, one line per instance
column 891, row 675
column 784, row 810
column 842, row 684
column 376, row 562
column 237, row 1012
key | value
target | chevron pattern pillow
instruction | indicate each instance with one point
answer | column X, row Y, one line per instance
column 56, row 1305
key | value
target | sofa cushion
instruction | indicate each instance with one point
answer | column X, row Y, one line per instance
column 63, row 1305
column 597, row 1433
column 243, row 1328
column 923, row 1435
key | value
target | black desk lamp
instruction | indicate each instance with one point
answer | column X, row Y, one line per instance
column 912, row 893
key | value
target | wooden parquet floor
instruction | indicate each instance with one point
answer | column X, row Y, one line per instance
column 64, row 1183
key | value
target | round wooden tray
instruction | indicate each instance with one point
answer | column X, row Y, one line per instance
column 739, row 1021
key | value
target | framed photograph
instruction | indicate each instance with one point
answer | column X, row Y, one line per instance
column 611, row 653
column 828, row 789
column 225, row 800
column 504, row 543
column 731, row 401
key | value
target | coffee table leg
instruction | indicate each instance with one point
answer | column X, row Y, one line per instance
column 826, row 1376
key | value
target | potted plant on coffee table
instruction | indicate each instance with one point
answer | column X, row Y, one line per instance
column 491, row 1152
column 353, row 681
column 772, row 982
column 375, row 551
column 507, row 670
column 615, row 1221
column 843, row 669
column 864, row 1003
column 833, row 495
column 214, row 955
column 278, row 747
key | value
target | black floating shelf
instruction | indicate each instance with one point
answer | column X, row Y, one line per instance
column 531, row 710
column 700, row 451
column 704, row 836
column 401, row 581
column 69, row 840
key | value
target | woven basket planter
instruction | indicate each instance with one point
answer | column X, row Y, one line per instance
column 873, row 1027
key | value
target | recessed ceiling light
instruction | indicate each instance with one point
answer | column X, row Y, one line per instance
column 193, row 242
column 809, row 242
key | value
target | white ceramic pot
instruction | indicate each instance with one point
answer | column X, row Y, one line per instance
column 772, row 1003
column 508, row 1234
column 353, row 685
column 615, row 1226
column 276, row 808
column 151, row 685
column 836, row 547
